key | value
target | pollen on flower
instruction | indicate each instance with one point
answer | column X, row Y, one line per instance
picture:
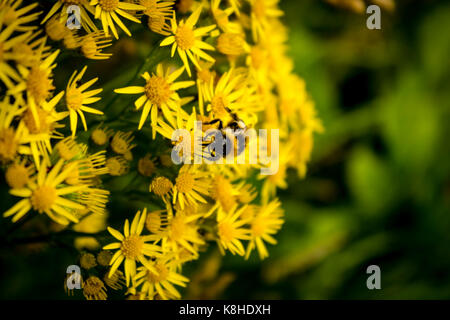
column 42, row 127
column 226, row 231
column 161, row 186
column 108, row 5
column 55, row 29
column 184, row 182
column 218, row 103
column 74, row 98
column 87, row 261
column 163, row 273
column 39, row 84
column 157, row 90
column 185, row 37
column 132, row 246
column 43, row 198
column 104, row 257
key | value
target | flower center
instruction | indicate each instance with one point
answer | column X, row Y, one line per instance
column 185, row 182
column 99, row 137
column 161, row 186
column 132, row 246
column 222, row 193
column 74, row 98
column 218, row 104
column 39, row 84
column 30, row 122
column 163, row 273
column 25, row 54
column 157, row 90
column 108, row 5
column 258, row 227
column 226, row 231
column 43, row 198
column 178, row 228
column 8, row 144
column 185, row 37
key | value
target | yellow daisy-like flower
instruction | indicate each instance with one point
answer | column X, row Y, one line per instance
column 232, row 93
column 132, row 247
column 77, row 99
column 18, row 16
column 162, row 283
column 263, row 226
column 262, row 11
column 230, row 231
column 159, row 14
column 38, row 126
column 187, row 40
column 8, row 75
column 63, row 5
column 108, row 10
column 94, row 289
column 11, row 139
column 190, row 185
column 31, row 50
column 159, row 94
column 91, row 45
column 47, row 194
column 37, row 81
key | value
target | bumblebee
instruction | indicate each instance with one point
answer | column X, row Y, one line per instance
column 233, row 134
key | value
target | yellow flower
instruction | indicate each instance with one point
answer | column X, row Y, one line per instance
column 18, row 175
column 132, row 247
column 176, row 232
column 108, row 10
column 37, row 125
column 230, row 231
column 162, row 187
column 11, row 139
column 162, row 283
column 63, row 5
column 159, row 94
column 37, row 81
column 77, row 99
column 117, row 166
column 18, row 16
column 190, row 185
column 121, row 142
column 263, row 226
column 232, row 93
column 9, row 75
column 94, row 289
column 100, row 135
column 262, row 11
column 187, row 40
column 221, row 17
column 48, row 195
column 91, row 45
column 31, row 50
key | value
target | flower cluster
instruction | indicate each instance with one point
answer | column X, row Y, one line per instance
column 225, row 61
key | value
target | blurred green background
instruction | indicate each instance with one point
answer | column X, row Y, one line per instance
column 378, row 187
